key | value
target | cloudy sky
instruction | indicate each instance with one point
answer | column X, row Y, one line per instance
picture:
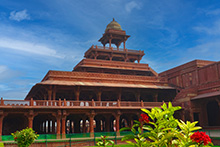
column 41, row 35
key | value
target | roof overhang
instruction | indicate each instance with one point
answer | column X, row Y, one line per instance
column 103, row 84
column 206, row 95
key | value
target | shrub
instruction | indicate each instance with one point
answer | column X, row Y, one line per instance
column 25, row 137
column 103, row 142
column 159, row 128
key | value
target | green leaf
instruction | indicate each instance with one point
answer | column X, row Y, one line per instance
column 195, row 129
column 139, row 130
column 170, row 105
column 149, row 128
column 133, row 130
column 135, row 125
column 164, row 106
column 131, row 143
column 137, row 122
column 128, row 137
column 124, row 129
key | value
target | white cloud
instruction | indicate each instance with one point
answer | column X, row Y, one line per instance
column 210, row 30
column 207, row 51
column 6, row 73
column 28, row 47
column 132, row 5
column 4, row 88
column 19, row 15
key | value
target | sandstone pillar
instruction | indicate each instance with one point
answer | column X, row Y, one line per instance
column 99, row 94
column 84, row 125
column 77, row 93
column 117, row 118
column 58, row 117
column 30, row 121
column 155, row 96
column 91, row 127
column 63, row 125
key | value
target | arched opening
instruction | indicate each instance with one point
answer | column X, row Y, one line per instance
column 112, row 124
column 14, row 122
column 87, row 95
column 45, row 124
column 77, row 123
column 100, row 123
column 213, row 113
column 124, row 121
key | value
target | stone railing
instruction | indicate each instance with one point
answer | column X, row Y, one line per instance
column 115, row 49
column 78, row 104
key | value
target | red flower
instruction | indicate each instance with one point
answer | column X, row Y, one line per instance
column 200, row 137
column 144, row 118
column 15, row 138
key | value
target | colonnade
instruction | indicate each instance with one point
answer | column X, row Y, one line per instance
column 64, row 122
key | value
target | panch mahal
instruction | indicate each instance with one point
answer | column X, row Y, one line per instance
column 107, row 88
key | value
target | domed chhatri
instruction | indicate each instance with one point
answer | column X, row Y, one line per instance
column 113, row 25
column 114, row 35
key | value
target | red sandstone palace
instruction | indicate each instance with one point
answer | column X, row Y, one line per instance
column 106, row 90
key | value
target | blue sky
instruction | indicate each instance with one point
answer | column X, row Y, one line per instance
column 41, row 35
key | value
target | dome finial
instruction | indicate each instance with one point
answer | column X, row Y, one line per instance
column 113, row 25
